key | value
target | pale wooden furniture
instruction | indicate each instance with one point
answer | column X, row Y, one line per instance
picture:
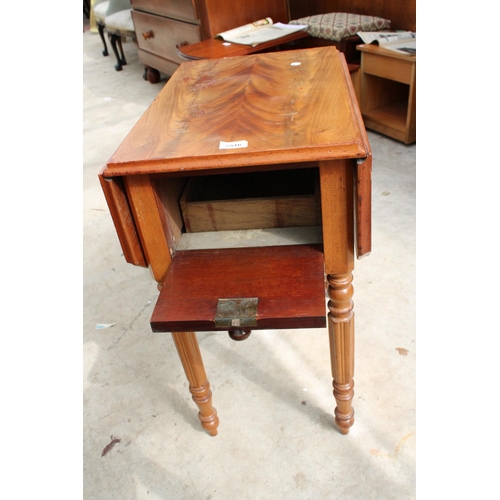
column 164, row 25
column 288, row 123
column 388, row 92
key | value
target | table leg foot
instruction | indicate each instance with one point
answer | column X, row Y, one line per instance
column 202, row 396
column 341, row 335
column 151, row 74
column 344, row 414
column 189, row 353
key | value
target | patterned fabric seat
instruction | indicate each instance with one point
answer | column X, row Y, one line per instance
column 100, row 11
column 336, row 26
column 120, row 22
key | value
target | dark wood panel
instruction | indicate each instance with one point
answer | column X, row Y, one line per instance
column 402, row 13
column 288, row 280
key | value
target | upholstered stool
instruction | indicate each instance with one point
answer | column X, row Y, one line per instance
column 339, row 25
column 339, row 29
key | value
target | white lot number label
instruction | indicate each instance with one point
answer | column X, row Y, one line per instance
column 233, row 145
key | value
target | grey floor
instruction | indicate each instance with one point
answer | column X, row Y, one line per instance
column 277, row 438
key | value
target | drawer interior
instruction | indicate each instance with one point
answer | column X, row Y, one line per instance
column 259, row 208
column 254, row 200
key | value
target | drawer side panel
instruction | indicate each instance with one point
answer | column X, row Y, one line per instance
column 119, row 208
column 160, row 36
column 183, row 10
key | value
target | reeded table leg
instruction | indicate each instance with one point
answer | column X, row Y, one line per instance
column 341, row 334
column 337, row 179
column 189, row 353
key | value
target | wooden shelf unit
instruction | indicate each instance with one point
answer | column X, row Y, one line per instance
column 388, row 92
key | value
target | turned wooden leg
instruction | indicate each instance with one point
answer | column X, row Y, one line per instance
column 100, row 28
column 189, row 352
column 115, row 44
column 337, row 205
column 120, row 48
column 341, row 333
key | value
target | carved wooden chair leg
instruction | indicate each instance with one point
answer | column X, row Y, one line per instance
column 341, row 334
column 116, row 42
column 120, row 47
column 189, row 353
column 100, row 28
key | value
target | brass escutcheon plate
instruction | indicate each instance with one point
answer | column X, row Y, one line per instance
column 236, row 313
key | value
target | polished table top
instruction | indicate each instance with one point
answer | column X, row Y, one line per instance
column 216, row 48
column 281, row 106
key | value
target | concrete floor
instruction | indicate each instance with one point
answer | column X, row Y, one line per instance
column 277, row 438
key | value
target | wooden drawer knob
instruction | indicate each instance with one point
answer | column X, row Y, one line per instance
column 148, row 34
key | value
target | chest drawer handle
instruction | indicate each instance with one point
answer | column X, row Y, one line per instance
column 148, row 34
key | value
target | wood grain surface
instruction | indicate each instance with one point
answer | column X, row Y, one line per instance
column 215, row 48
column 289, row 106
column 288, row 280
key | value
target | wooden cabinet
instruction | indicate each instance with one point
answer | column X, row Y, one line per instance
column 388, row 92
column 163, row 25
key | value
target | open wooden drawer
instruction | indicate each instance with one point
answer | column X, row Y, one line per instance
column 282, row 286
column 217, row 282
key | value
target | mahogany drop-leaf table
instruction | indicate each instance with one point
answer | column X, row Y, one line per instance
column 245, row 188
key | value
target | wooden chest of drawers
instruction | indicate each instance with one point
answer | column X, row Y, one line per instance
column 163, row 25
